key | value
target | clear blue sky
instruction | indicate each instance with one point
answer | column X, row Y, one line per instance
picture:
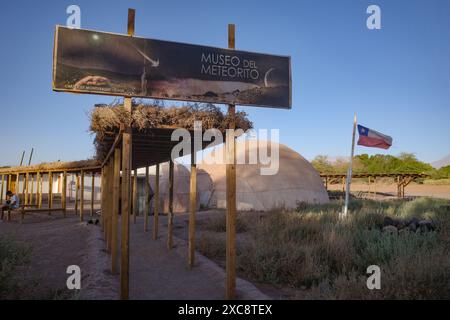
column 396, row 79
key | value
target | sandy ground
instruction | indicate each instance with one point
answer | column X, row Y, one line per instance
column 412, row 190
column 155, row 272
column 57, row 242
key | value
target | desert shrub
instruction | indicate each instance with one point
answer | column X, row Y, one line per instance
column 12, row 255
column 219, row 222
column 212, row 245
column 376, row 247
column 312, row 249
column 419, row 207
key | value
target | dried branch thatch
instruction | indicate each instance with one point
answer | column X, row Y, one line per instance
column 106, row 120
column 57, row 165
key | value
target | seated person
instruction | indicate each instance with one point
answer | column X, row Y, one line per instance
column 12, row 202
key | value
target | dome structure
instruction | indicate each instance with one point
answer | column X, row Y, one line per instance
column 181, row 187
column 296, row 179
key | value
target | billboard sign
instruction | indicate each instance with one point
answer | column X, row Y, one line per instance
column 104, row 63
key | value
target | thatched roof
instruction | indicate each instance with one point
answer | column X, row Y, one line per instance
column 106, row 120
column 53, row 166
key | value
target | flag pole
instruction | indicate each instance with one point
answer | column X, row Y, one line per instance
column 349, row 173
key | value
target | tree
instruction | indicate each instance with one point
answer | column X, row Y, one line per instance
column 322, row 164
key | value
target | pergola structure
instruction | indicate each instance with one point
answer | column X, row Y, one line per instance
column 32, row 200
column 131, row 148
column 402, row 179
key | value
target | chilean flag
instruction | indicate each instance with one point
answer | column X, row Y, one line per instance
column 372, row 138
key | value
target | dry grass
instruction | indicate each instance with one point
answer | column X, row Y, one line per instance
column 12, row 256
column 327, row 258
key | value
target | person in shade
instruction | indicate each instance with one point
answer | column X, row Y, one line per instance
column 12, row 202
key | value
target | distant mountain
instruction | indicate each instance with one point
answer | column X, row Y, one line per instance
column 441, row 163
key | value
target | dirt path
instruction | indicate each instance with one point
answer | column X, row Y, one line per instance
column 57, row 242
column 155, row 272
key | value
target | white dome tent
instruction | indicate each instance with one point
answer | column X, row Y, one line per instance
column 296, row 181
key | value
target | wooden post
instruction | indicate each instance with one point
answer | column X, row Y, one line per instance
column 82, row 195
column 192, row 208
column 126, row 185
column 2, row 189
column 126, row 204
column 64, row 193
column 25, row 187
column 109, row 202
column 115, row 211
column 77, row 187
column 92, row 193
column 231, row 192
column 31, row 189
column 8, row 186
column 374, row 188
column 147, row 199
column 39, row 191
column 170, row 216
column 18, row 187
column 105, row 207
column 156, row 204
column 50, row 191
column 102, row 199
column 135, row 200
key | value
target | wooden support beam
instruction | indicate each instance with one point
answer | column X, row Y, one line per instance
column 109, row 201
column 103, row 196
column 126, row 186
column 31, row 189
column 82, row 195
column 25, row 187
column 50, row 192
column 192, row 209
column 231, row 193
column 170, row 215
column 156, row 204
column 39, row 179
column 17, row 185
column 135, row 198
column 115, row 211
column 92, row 193
column 64, row 193
column 77, row 188
column 106, row 208
column 2, row 189
column 147, row 199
